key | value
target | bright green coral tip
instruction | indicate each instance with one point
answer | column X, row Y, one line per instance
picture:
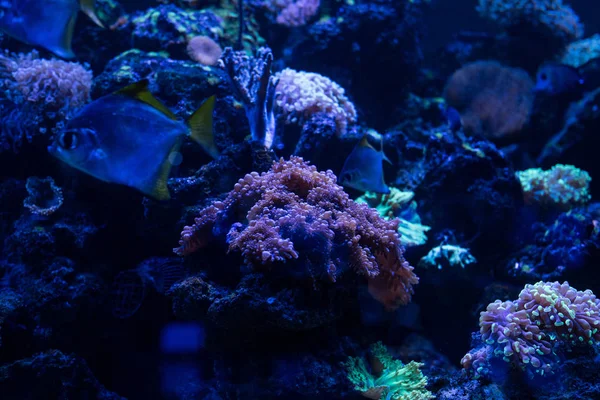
column 387, row 378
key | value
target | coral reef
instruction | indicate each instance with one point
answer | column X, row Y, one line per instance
column 447, row 255
column 558, row 248
column 531, row 332
column 252, row 81
column 398, row 204
column 389, row 378
column 294, row 212
column 562, row 186
column 282, row 278
column 301, row 95
column 580, row 52
column 38, row 94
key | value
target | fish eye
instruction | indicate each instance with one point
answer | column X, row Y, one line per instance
column 68, row 140
column 543, row 76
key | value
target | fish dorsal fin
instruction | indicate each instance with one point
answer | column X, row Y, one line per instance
column 88, row 7
column 364, row 142
column 65, row 50
column 160, row 190
column 385, row 158
column 201, row 127
column 139, row 91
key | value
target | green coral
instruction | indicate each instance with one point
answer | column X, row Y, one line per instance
column 399, row 204
column 582, row 51
column 388, row 378
column 562, row 186
column 449, row 255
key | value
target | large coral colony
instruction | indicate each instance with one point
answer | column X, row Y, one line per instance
column 349, row 199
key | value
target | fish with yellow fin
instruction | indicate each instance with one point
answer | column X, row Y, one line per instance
column 129, row 137
column 48, row 23
column 363, row 169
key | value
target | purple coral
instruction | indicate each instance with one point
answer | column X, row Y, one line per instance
column 55, row 83
column 531, row 331
column 298, row 216
column 294, row 13
column 37, row 95
column 300, row 95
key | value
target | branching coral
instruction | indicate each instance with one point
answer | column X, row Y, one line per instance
column 298, row 216
column 387, row 378
column 493, row 100
column 44, row 196
column 301, row 95
column 532, row 331
column 558, row 19
column 562, row 186
column 251, row 79
column 398, row 204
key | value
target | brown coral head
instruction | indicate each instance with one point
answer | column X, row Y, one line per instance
column 493, row 100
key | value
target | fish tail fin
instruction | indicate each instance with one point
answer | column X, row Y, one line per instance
column 88, row 7
column 385, row 158
column 201, row 127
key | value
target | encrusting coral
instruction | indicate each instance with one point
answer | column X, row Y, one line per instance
column 297, row 215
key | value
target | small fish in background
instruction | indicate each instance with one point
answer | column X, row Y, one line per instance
column 556, row 79
column 48, row 23
column 130, row 287
column 130, row 138
column 363, row 169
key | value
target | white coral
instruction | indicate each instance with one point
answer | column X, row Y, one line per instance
column 301, row 94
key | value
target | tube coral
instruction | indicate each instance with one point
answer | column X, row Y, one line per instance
column 298, row 216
